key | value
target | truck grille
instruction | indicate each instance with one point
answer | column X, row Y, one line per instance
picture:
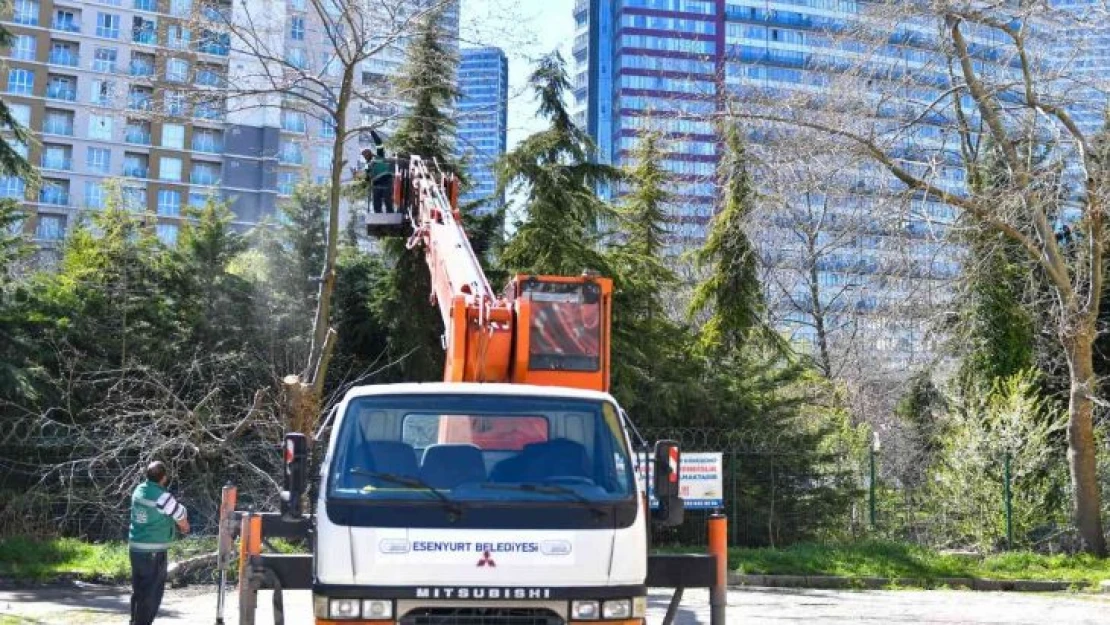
column 481, row 616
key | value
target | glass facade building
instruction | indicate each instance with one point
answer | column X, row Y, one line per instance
column 883, row 264
column 483, row 119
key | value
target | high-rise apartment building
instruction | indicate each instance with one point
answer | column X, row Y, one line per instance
column 670, row 65
column 483, row 111
column 154, row 94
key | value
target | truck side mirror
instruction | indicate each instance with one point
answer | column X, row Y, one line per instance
column 295, row 451
column 667, row 471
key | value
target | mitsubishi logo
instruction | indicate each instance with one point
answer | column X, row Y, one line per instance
column 487, row 560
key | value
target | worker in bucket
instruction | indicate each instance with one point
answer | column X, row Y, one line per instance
column 379, row 171
column 154, row 515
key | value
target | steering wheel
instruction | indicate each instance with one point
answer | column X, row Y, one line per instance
column 569, row 480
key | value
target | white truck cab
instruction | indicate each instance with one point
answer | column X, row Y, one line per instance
column 468, row 504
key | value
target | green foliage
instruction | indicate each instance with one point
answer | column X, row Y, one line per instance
column 412, row 324
column 923, row 408
column 731, row 293
column 968, row 479
column 552, row 168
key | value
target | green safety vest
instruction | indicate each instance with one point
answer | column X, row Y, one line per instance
column 154, row 513
column 379, row 169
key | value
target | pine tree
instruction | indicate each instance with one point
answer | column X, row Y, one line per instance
column 11, row 162
column 427, row 79
column 562, row 212
column 731, row 293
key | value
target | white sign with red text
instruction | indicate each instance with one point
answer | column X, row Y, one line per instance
column 701, row 479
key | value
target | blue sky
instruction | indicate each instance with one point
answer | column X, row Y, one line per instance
column 525, row 30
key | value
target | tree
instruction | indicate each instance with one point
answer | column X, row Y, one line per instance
column 731, row 292
column 427, row 79
column 552, row 169
column 1022, row 100
column 335, row 92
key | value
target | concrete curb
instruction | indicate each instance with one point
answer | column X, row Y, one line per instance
column 831, row 582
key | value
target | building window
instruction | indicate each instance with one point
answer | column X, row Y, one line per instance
column 57, row 157
column 58, row 122
column 198, row 198
column 50, row 228
column 142, row 64
column 107, row 25
column 146, row 5
column 104, row 60
column 296, row 5
column 99, row 160
column 177, row 70
column 21, row 81
column 144, row 30
column 63, row 53
column 62, row 88
column 206, row 140
column 174, row 102
column 181, row 8
column 214, row 43
column 138, row 132
column 26, row 12
column 167, row 233
column 135, row 165
column 287, row 180
column 209, row 110
column 204, row 173
column 296, row 28
column 290, row 153
column 101, row 93
column 54, row 192
column 134, row 199
column 173, row 136
column 169, row 202
column 177, row 37
column 209, row 75
column 140, row 98
column 94, row 194
column 327, row 129
column 297, row 58
column 12, row 187
column 293, row 121
column 21, row 113
column 100, row 127
column 323, row 158
column 23, row 48
column 66, row 21
column 169, row 168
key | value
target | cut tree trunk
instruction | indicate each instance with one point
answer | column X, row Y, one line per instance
column 1082, row 463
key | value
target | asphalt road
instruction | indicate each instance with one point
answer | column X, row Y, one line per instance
column 749, row 606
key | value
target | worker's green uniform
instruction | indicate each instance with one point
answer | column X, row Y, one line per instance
column 381, row 180
column 154, row 517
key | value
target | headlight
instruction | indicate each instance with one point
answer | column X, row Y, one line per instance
column 639, row 607
column 585, row 610
column 377, row 609
column 617, row 609
column 342, row 609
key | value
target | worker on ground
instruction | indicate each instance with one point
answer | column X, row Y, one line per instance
column 154, row 515
column 381, row 178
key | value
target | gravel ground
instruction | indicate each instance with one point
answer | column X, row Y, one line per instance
column 749, row 606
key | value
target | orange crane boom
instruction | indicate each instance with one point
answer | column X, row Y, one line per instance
column 546, row 330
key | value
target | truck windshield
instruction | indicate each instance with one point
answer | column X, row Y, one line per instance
column 493, row 448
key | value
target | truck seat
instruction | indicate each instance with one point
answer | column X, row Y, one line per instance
column 393, row 457
column 558, row 456
column 447, row 466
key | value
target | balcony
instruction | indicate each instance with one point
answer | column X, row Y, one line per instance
column 135, row 171
column 140, row 102
column 26, row 18
column 144, row 35
column 58, row 127
column 137, row 137
column 63, row 163
column 146, row 5
column 65, row 93
column 203, row 177
column 207, row 145
column 55, row 196
column 64, row 57
column 142, row 67
column 66, row 26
